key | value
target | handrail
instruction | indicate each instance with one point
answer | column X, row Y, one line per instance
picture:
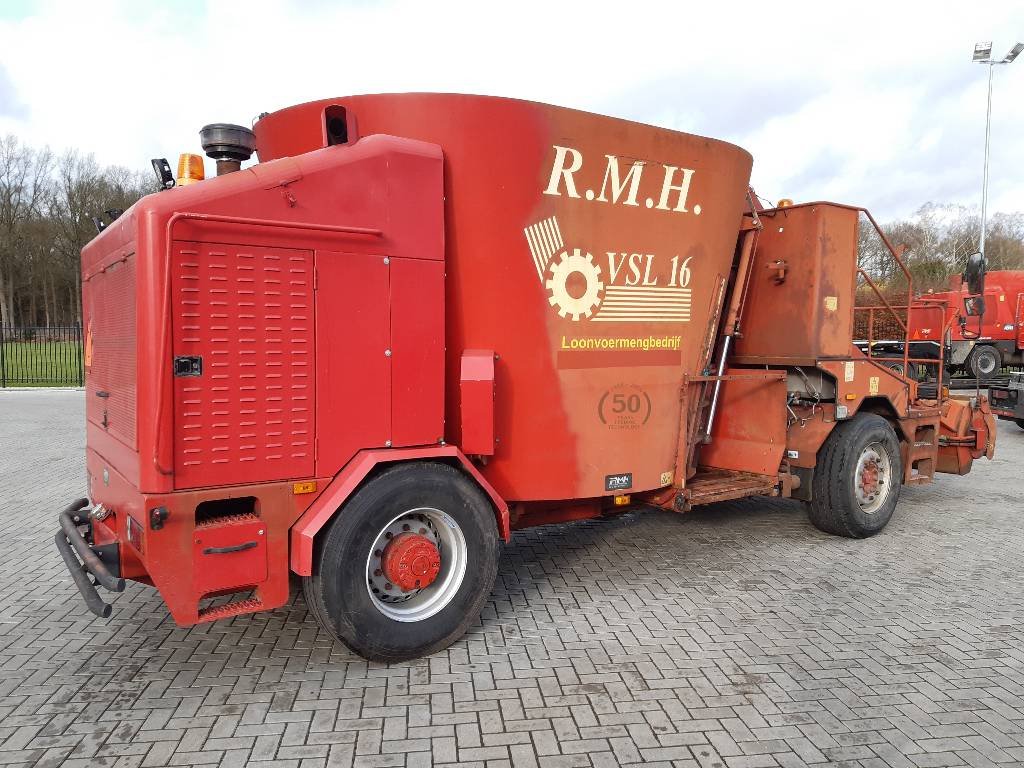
column 159, row 451
column 904, row 325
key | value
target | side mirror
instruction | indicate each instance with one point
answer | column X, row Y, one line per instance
column 974, row 274
column 974, row 306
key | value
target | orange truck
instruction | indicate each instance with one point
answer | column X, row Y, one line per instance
column 423, row 321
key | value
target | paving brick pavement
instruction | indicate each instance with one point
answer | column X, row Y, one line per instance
column 736, row 636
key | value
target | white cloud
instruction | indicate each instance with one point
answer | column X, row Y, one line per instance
column 873, row 103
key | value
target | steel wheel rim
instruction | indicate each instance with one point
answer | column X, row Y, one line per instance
column 986, row 364
column 872, row 478
column 419, row 604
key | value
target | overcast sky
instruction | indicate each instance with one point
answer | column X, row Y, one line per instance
column 860, row 102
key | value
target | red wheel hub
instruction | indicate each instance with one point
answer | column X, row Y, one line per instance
column 869, row 478
column 411, row 561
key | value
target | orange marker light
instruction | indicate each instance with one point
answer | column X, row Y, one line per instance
column 621, row 501
column 307, row 487
column 785, row 203
column 190, row 169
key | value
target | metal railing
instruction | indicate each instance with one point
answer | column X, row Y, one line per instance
column 897, row 318
column 39, row 356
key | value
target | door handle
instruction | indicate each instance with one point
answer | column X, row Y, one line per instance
column 227, row 550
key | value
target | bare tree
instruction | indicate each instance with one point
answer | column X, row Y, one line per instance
column 24, row 182
column 83, row 190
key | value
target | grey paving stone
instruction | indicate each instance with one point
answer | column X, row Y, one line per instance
column 736, row 635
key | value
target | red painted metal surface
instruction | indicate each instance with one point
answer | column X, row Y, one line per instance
column 380, row 197
column 353, row 372
column 807, row 313
column 657, row 213
column 749, row 433
column 109, row 320
column 245, row 315
column 170, row 558
column 411, row 561
column 476, row 383
column 968, row 433
column 417, row 352
column 1003, row 319
column 229, row 553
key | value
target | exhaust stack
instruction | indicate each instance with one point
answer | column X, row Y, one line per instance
column 228, row 144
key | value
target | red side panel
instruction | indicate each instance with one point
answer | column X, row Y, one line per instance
column 749, row 434
column 476, row 390
column 247, row 313
column 229, row 553
column 353, row 368
column 109, row 300
column 417, row 345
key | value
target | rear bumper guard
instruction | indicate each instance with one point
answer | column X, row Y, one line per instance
column 82, row 561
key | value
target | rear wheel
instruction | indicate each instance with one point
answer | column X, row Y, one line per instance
column 896, row 366
column 857, row 478
column 1020, row 423
column 985, row 361
column 407, row 563
column 910, row 371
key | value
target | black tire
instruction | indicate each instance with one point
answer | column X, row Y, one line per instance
column 896, row 366
column 337, row 593
column 985, row 362
column 834, row 507
column 912, row 370
column 1020, row 423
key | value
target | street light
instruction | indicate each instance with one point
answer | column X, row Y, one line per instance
column 983, row 55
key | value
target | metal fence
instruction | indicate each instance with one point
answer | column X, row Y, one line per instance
column 37, row 356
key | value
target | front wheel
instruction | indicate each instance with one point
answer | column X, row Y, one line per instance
column 857, row 479
column 406, row 564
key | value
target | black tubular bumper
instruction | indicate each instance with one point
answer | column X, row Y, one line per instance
column 70, row 541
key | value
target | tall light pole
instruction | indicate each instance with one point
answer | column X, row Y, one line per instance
column 983, row 55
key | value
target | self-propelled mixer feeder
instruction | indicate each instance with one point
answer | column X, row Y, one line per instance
column 423, row 321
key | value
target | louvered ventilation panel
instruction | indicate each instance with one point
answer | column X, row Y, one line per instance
column 248, row 314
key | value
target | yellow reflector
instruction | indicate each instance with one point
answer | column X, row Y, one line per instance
column 850, row 396
column 621, row 501
column 190, row 169
column 785, row 203
column 307, row 487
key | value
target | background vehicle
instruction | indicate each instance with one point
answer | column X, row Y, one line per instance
column 422, row 321
column 1008, row 400
column 981, row 349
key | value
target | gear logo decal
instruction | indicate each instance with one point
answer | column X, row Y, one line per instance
column 568, row 266
column 578, row 289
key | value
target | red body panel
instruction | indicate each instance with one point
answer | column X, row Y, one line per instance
column 514, row 208
column 247, row 314
column 344, row 484
column 417, row 352
column 749, row 434
column 476, row 383
column 1002, row 320
column 353, row 373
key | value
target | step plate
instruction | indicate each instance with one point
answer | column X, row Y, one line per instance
column 720, row 485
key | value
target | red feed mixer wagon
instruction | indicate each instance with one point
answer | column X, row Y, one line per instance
column 423, row 321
